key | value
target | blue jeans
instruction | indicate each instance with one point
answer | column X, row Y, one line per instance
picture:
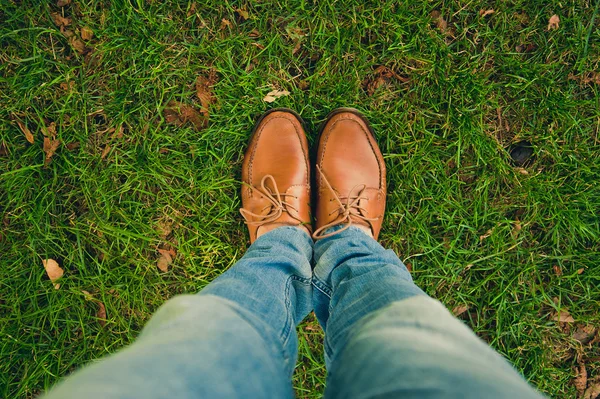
column 237, row 337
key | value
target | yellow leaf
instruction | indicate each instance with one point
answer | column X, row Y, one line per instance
column 53, row 270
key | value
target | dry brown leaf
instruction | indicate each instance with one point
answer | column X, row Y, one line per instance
column 522, row 171
column 381, row 76
column 593, row 390
column 225, row 24
column 275, row 94
column 62, row 3
column 164, row 261
column 86, row 33
column 564, row 317
column 78, row 45
column 179, row 114
column 553, row 22
column 3, row 150
column 204, row 85
column 441, row 23
column 557, row 270
column 460, row 309
column 101, row 314
column 50, row 147
column 517, row 227
column 242, row 12
column 580, row 380
column 25, row 131
column 485, row 13
column 59, row 20
column 50, row 130
column 53, row 270
column 105, row 152
column 580, row 271
column 67, row 86
column 584, row 334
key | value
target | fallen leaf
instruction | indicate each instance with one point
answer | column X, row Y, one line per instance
column 525, row 48
column 59, row 20
column 25, row 131
column 593, row 390
column 86, row 33
column 243, row 13
column 164, row 261
column 441, row 23
column 88, row 296
column 101, row 314
column 564, row 317
column 485, row 13
column 580, row 271
column 50, row 147
column 460, row 309
column 164, row 228
column 522, row 171
column 303, row 85
column 62, row 3
column 170, row 251
column 486, row 235
column 53, row 270
column 225, row 24
column 584, row 334
column 580, row 380
column 312, row 327
column 3, row 150
column 517, row 227
column 179, row 114
column 50, row 130
column 275, row 94
column 67, row 86
column 586, row 78
column 557, row 270
column 553, row 22
column 381, row 76
column 204, row 85
column 78, row 45
column 105, row 152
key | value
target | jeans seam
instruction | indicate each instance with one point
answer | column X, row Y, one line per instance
column 318, row 284
column 288, row 304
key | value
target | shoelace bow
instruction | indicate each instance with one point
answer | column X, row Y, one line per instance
column 346, row 210
column 276, row 203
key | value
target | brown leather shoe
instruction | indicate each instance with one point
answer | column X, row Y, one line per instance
column 350, row 179
column 276, row 175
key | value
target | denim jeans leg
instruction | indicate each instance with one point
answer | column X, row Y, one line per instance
column 386, row 339
column 235, row 339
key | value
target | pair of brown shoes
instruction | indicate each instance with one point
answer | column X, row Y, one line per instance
column 350, row 176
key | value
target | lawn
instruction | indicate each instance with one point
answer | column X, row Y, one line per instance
column 123, row 125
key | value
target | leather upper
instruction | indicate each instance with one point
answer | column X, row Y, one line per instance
column 349, row 162
column 278, row 148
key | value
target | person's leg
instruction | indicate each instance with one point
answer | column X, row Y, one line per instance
column 236, row 338
column 383, row 336
column 386, row 338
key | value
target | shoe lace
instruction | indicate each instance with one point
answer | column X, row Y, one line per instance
column 348, row 209
column 277, row 204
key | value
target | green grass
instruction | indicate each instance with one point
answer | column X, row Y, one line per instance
column 462, row 98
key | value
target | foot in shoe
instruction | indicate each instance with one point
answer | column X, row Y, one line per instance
column 276, row 175
column 350, row 181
